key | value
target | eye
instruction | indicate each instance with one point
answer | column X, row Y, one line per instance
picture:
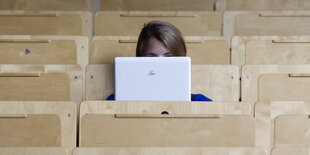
column 168, row 55
column 149, row 55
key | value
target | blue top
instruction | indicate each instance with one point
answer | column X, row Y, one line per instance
column 194, row 97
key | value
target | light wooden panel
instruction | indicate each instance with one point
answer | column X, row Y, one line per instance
column 45, row 50
column 33, row 151
column 283, row 87
column 263, row 5
column 267, row 111
column 266, row 23
column 100, row 82
column 29, row 130
column 131, row 23
column 45, row 23
column 218, row 82
column 17, row 51
column 252, row 73
column 292, row 130
column 46, row 87
column 43, row 5
column 172, row 151
column 65, row 111
column 159, row 5
column 290, row 151
column 270, row 50
column 110, row 108
column 55, row 82
column 150, row 131
column 202, row 50
column 153, row 107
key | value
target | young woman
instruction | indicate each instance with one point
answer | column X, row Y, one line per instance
column 161, row 39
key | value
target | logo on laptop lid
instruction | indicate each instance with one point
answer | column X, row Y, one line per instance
column 151, row 73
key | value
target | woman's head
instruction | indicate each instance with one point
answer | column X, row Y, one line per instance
column 160, row 39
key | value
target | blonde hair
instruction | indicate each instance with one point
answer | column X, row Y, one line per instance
column 164, row 32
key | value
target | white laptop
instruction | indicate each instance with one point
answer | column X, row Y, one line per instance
column 152, row 78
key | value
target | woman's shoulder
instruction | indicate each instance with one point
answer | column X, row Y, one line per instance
column 200, row 97
column 111, row 97
column 194, row 97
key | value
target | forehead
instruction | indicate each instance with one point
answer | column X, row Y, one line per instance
column 154, row 44
column 156, row 48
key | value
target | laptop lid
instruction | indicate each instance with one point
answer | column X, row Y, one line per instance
column 153, row 78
